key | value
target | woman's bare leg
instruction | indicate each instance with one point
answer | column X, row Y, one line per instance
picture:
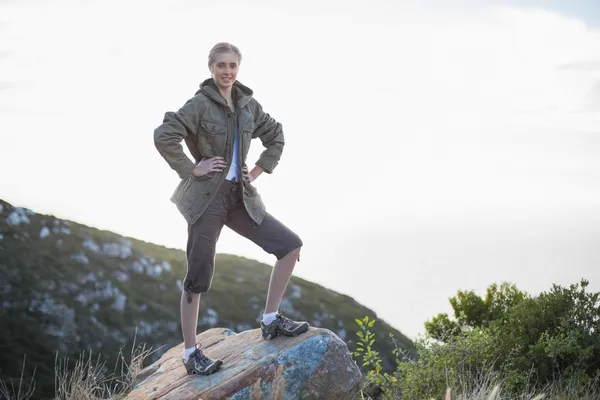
column 189, row 319
column 280, row 277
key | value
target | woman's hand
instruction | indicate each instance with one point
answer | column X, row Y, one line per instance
column 251, row 176
column 247, row 176
column 208, row 165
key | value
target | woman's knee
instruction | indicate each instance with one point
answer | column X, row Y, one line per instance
column 294, row 253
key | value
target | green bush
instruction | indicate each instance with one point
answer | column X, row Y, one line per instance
column 464, row 362
column 547, row 343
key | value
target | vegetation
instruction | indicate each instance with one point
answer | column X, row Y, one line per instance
column 86, row 379
column 67, row 289
column 508, row 344
column 74, row 296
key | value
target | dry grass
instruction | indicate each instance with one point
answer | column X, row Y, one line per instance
column 19, row 393
column 490, row 389
column 88, row 379
column 483, row 394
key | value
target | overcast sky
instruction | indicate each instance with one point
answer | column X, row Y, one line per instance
column 429, row 148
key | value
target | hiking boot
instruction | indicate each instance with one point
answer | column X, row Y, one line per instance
column 282, row 326
column 199, row 364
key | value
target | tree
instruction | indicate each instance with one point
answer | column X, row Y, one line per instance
column 472, row 311
column 552, row 336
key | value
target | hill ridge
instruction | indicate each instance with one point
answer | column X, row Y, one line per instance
column 75, row 287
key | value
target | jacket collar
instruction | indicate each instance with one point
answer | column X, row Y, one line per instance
column 241, row 93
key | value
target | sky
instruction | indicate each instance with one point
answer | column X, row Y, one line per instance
column 429, row 148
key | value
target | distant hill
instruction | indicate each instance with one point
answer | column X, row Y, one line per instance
column 70, row 288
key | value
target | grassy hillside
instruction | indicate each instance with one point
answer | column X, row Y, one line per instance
column 69, row 288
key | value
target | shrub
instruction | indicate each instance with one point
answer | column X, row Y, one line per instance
column 525, row 344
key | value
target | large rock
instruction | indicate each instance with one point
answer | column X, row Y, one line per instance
column 313, row 365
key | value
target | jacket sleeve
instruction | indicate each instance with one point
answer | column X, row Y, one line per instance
column 270, row 132
column 176, row 126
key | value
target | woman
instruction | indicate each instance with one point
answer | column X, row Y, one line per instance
column 217, row 125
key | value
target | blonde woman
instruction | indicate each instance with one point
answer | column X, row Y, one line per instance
column 218, row 125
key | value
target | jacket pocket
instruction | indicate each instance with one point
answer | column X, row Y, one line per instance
column 214, row 128
column 212, row 137
column 192, row 193
column 206, row 177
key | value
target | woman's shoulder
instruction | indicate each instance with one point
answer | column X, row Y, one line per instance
column 199, row 98
column 197, row 103
column 254, row 107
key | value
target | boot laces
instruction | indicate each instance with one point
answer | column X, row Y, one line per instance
column 285, row 321
column 200, row 356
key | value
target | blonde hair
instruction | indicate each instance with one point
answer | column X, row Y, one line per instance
column 222, row 47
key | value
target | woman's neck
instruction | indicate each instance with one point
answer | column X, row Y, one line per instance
column 226, row 93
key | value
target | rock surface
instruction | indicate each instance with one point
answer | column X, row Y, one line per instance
column 314, row 365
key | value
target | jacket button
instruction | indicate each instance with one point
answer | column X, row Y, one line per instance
column 207, row 193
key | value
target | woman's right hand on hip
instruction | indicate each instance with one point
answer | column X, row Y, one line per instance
column 208, row 165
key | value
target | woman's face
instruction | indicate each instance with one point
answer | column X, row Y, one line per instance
column 224, row 70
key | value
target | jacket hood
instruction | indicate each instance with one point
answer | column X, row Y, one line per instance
column 241, row 93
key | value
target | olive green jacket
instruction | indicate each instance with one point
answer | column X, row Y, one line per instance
column 207, row 125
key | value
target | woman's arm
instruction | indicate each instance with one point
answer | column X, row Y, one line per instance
column 176, row 126
column 254, row 173
column 270, row 132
